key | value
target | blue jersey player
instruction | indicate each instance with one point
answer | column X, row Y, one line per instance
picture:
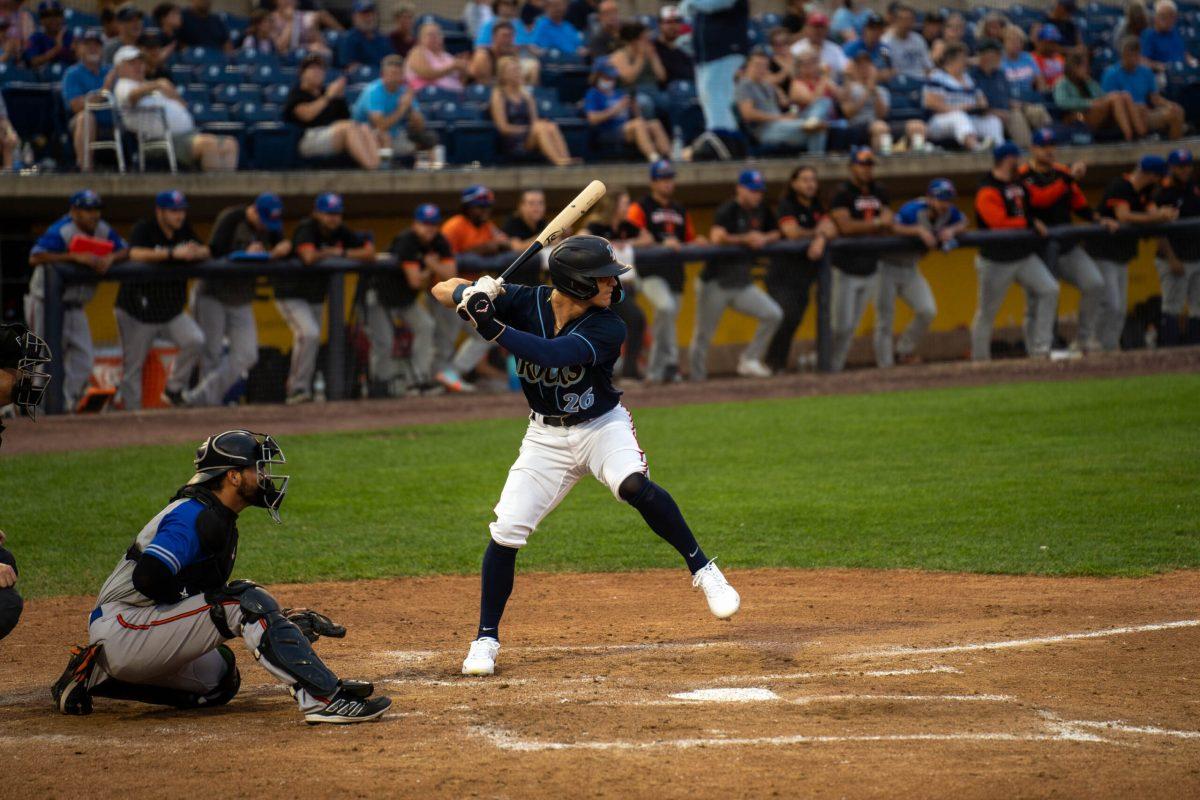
column 565, row 339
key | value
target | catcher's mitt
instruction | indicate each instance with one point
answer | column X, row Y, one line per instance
column 314, row 624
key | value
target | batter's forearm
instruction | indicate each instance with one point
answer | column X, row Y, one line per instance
column 443, row 292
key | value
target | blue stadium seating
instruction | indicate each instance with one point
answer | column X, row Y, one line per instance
column 201, row 55
column 575, row 132
column 436, row 94
column 481, row 93
column 571, row 80
column 253, row 58
column 472, row 141
column 10, row 73
column 458, row 43
column 363, row 73
column 272, row 145
column 51, row 73
column 277, row 93
column 216, row 74
column 251, row 112
column 203, row 113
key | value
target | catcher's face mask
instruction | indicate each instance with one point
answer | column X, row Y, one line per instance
column 272, row 487
column 29, row 389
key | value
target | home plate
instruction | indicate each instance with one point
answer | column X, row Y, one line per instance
column 730, row 695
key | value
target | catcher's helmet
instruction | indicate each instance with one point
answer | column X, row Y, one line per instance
column 240, row 449
column 24, row 350
column 576, row 263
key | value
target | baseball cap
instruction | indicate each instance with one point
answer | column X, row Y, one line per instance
column 1155, row 165
column 1005, row 150
column 91, row 35
column 753, row 180
column 1180, row 157
column 171, row 200
column 662, row 169
column 86, row 198
column 128, row 12
column 478, row 195
column 428, row 213
column 857, row 48
column 873, row 20
column 363, row 6
column 862, row 155
column 669, row 12
column 127, row 52
column 49, row 8
column 818, row 20
column 604, row 67
column 270, row 211
column 1049, row 33
column 1044, row 137
column 941, row 189
column 329, row 203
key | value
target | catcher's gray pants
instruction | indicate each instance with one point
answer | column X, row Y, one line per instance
column 849, row 301
column 174, row 646
column 907, row 283
column 76, row 346
column 664, row 345
column 137, row 338
column 381, row 331
column 447, row 328
column 1179, row 290
column 1041, row 302
column 711, row 301
column 304, row 320
column 1109, row 307
column 221, row 371
column 1077, row 268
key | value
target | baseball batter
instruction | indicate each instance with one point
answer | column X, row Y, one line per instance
column 157, row 632
column 566, row 338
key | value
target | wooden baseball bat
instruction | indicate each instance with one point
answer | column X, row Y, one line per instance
column 557, row 229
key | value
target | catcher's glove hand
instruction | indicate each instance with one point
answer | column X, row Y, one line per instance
column 314, row 624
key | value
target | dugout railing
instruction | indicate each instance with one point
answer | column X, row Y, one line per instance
column 59, row 276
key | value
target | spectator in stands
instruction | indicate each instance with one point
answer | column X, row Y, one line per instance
column 848, row 21
column 484, row 60
column 1178, row 257
column 52, row 43
column 402, row 36
column 301, row 299
column 522, row 228
column 1047, row 55
column 108, row 23
column 81, row 237
column 933, row 25
column 907, row 48
column 21, row 24
column 790, row 278
column 12, row 49
column 765, row 110
column 678, row 63
column 1022, row 71
column 1019, row 117
column 83, row 80
column 363, row 43
column 199, row 27
column 169, row 19
column 720, row 42
column 813, row 92
column 129, row 28
column 871, row 43
column 293, row 29
column 257, row 38
column 506, row 11
column 1136, row 20
column 151, row 45
column 959, row 109
column 1153, row 112
column 423, row 257
column 794, row 16
column 553, row 32
column 1062, row 19
column 429, row 64
column 322, row 112
column 393, row 113
column 606, row 36
column 1081, row 100
column 783, row 63
column 156, row 307
column 137, row 98
column 223, row 307
column 992, row 26
column 813, row 40
column 864, row 104
column 670, row 225
column 10, row 142
column 639, row 70
column 1163, row 44
column 515, row 114
column 579, row 13
column 476, row 14
column 613, row 117
column 954, row 33
column 748, row 222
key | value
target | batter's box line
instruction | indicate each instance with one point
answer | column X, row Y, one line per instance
column 411, row 656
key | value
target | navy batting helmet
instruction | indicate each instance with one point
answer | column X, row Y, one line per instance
column 240, row 449
column 576, row 263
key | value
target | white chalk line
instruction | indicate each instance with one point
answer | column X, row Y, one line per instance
column 417, row 656
column 837, row 673
column 699, row 700
column 1120, row 727
column 1011, row 643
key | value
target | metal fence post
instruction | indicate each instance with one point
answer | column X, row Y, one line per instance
column 52, row 332
column 335, row 380
column 824, row 319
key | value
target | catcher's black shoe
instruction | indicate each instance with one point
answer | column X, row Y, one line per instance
column 349, row 706
column 70, row 692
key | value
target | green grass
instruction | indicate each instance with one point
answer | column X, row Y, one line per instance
column 1094, row 477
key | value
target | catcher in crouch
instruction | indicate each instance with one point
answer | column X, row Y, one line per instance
column 157, row 632
column 566, row 339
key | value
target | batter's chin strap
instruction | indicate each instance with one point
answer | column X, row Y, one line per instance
column 283, row 645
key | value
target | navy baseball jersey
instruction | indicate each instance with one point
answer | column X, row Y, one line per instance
column 584, row 390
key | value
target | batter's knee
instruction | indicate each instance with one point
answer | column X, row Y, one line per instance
column 509, row 533
column 633, row 488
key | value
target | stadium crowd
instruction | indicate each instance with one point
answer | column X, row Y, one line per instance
column 559, row 81
column 217, row 344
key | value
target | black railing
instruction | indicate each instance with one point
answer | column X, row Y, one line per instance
column 59, row 276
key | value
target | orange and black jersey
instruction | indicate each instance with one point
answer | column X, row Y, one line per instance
column 1121, row 192
column 1185, row 197
column 663, row 220
column 1003, row 205
column 1054, row 195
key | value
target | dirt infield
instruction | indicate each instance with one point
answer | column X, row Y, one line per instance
column 850, row 683
column 59, row 434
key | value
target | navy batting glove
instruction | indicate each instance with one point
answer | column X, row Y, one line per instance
column 479, row 310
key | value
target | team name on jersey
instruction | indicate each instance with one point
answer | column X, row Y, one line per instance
column 550, row 376
column 666, row 218
column 868, row 206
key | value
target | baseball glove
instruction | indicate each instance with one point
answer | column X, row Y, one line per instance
column 314, row 624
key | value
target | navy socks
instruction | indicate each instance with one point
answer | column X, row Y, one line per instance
column 658, row 508
column 499, row 567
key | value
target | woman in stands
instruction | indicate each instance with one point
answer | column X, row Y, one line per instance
column 429, row 64
column 639, row 69
column 614, row 119
column 325, row 117
column 1082, row 100
column 516, row 116
column 293, row 29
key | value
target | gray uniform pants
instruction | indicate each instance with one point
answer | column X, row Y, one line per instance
column 304, row 320
column 849, row 301
column 173, row 646
column 137, row 338
column 221, row 370
column 711, row 301
column 76, row 347
column 1041, row 301
column 1179, row 290
column 664, row 345
column 1110, row 306
column 906, row 282
column 381, row 331
column 1077, row 268
column 448, row 326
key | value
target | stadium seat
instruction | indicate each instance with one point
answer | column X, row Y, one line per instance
column 445, row 23
column 571, row 80
column 204, row 114
column 272, row 145
column 472, row 141
column 575, row 132
column 51, row 73
column 253, row 58
column 277, row 93
column 541, row 93
column 363, row 73
column 251, row 113
column 195, row 93
column 482, row 93
column 686, row 115
column 10, row 73
column 232, row 94
column 216, row 74
column 31, row 109
column 436, row 94
column 352, row 93
column 200, row 55
column 458, row 43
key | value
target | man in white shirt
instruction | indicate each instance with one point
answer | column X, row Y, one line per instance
column 136, row 95
column 908, row 50
column 814, row 39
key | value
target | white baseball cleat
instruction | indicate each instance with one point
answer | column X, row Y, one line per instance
column 753, row 368
column 481, row 660
column 723, row 599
